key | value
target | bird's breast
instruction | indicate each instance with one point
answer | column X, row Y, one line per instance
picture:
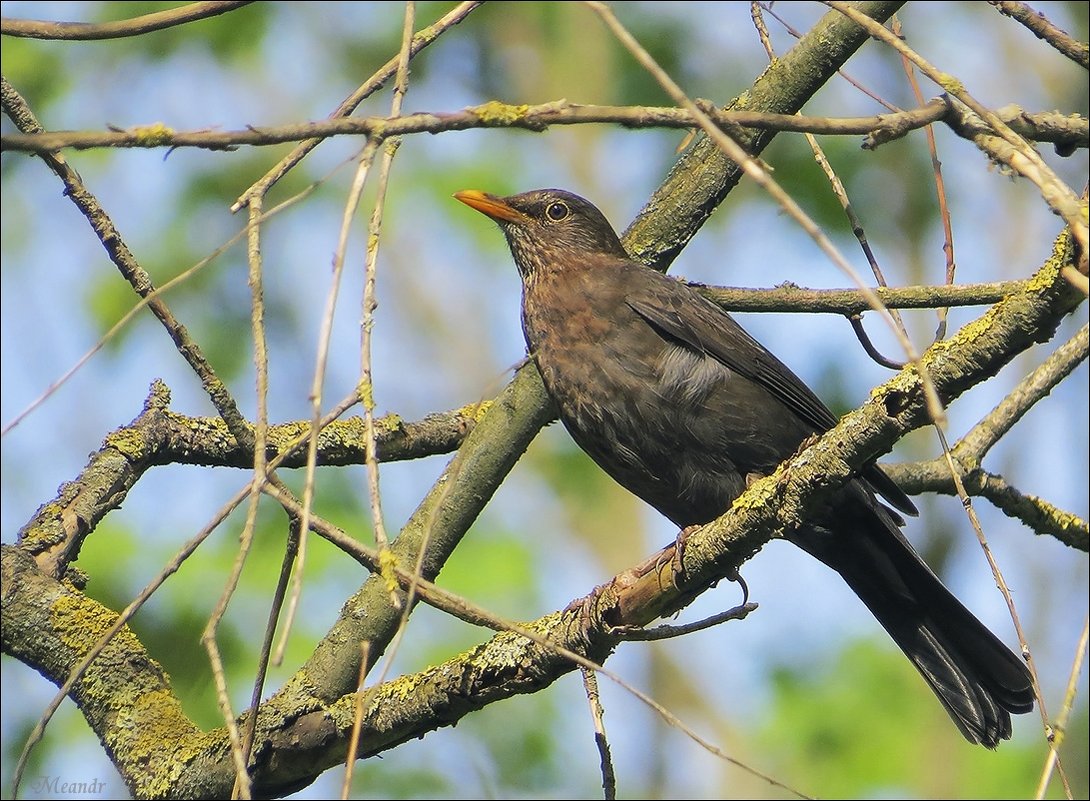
column 582, row 340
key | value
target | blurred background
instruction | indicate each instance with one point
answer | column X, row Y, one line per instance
column 808, row 689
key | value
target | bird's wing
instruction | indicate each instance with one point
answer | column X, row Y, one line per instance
column 697, row 323
column 681, row 314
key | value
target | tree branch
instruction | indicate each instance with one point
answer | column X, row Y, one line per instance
column 88, row 31
column 1067, row 132
column 1041, row 516
column 1039, row 25
column 1037, row 514
column 124, row 695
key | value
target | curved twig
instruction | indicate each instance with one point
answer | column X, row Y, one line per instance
column 91, row 31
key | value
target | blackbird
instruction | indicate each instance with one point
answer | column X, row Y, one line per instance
column 675, row 401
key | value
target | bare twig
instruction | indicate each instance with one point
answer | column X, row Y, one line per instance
column 370, row 303
column 261, row 363
column 1040, row 26
column 1067, row 132
column 597, row 714
column 420, row 41
column 321, row 359
column 791, row 298
column 940, row 190
column 856, row 321
column 357, row 721
column 488, row 115
column 146, row 23
column 1000, row 581
column 1060, row 724
column 265, row 655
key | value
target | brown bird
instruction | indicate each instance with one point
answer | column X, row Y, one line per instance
column 675, row 401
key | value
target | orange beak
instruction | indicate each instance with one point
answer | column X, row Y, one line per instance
column 491, row 206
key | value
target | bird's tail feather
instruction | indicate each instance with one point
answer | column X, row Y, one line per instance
column 974, row 675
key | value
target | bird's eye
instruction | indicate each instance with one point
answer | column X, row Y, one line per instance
column 557, row 211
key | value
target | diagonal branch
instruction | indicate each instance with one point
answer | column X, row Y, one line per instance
column 1040, row 26
column 90, row 31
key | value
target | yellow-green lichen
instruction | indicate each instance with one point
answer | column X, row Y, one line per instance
column 389, row 423
column 139, row 719
column 366, row 392
column 387, row 563
column 475, row 411
column 496, row 113
column 129, row 442
column 152, row 135
column 155, row 738
column 404, row 687
column 48, row 527
column 950, row 84
column 79, row 623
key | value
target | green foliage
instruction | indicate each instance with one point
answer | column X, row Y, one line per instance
column 865, row 725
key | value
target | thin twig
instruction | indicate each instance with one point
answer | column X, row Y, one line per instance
column 261, row 429
column 422, row 39
column 1060, row 724
column 757, row 16
column 1000, row 581
column 940, row 190
column 357, row 720
column 264, row 657
column 1039, row 25
column 488, row 115
column 223, row 700
column 856, row 321
column 1066, row 132
column 321, row 359
column 386, row 559
column 367, row 313
column 601, row 741
column 136, row 26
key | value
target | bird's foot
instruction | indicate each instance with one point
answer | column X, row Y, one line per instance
column 677, row 565
column 678, row 568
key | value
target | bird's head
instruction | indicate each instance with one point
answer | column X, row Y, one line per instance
column 547, row 228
